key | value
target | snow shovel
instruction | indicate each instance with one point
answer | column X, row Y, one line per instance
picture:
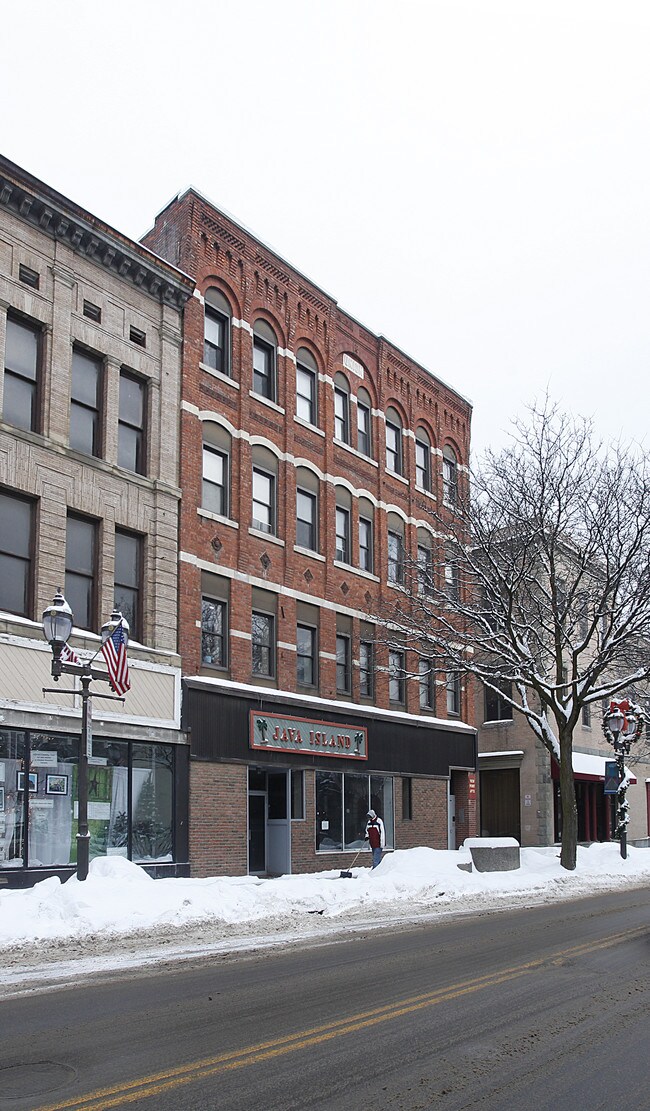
column 347, row 874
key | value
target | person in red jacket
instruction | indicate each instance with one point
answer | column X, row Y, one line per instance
column 376, row 835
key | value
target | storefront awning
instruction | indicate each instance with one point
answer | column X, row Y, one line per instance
column 586, row 766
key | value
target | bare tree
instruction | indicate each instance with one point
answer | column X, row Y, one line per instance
column 542, row 588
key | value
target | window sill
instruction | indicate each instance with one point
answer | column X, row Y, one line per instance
column 396, row 586
column 353, row 451
column 267, row 401
column 308, row 552
column 427, row 493
column 216, row 517
column 499, row 721
column 396, row 476
column 219, row 375
column 266, row 536
column 355, row 571
column 310, row 427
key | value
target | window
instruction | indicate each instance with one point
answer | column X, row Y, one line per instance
column 137, row 336
column 342, row 804
column 364, row 424
column 366, row 669
column 131, row 452
column 586, row 716
column 215, row 481
column 28, row 276
column 407, row 799
column 80, row 567
column 213, row 632
column 264, row 359
column 453, row 692
column 422, row 460
column 393, row 442
column 396, row 678
column 452, row 575
column 449, row 477
column 496, row 706
column 263, row 501
column 395, row 555
column 263, row 644
column 365, row 544
column 216, row 332
column 306, row 656
column 342, row 535
column 128, row 579
column 22, row 360
column 306, row 509
column 85, row 403
column 426, row 684
column 306, row 386
column 341, row 409
column 15, row 554
column 343, row 677
column 425, row 565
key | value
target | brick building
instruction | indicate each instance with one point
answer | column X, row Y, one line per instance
column 90, row 351
column 313, row 455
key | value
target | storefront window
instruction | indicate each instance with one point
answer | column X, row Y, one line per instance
column 342, row 804
column 130, row 808
column 152, row 791
column 12, row 808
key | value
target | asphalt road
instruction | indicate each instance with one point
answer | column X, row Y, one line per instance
column 537, row 1009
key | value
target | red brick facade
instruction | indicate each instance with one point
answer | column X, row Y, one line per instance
column 223, row 557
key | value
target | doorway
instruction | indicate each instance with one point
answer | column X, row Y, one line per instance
column 500, row 812
column 269, row 821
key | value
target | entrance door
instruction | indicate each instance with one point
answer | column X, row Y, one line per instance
column 500, row 813
column 256, row 832
column 278, row 826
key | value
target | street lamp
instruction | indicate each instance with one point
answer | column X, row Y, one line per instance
column 622, row 724
column 57, row 627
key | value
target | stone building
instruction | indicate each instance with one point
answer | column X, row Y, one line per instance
column 90, row 349
column 313, row 456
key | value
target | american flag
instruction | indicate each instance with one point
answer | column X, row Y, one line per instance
column 114, row 652
column 69, row 656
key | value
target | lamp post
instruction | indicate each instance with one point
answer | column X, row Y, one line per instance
column 622, row 724
column 57, row 626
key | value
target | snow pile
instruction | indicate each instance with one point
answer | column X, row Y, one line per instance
column 118, row 898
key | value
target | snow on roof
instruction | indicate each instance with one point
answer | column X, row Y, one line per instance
column 594, row 766
column 506, row 752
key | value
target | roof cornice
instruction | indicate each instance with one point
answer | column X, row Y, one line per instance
column 31, row 200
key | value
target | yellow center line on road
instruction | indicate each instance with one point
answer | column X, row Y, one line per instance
column 145, row 1087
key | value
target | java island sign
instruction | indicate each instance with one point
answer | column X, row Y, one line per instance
column 280, row 734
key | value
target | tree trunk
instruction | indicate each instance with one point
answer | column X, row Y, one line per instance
column 569, row 807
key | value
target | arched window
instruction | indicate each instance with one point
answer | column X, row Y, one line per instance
column 449, row 477
column 306, row 386
column 264, row 360
column 364, row 423
column 216, row 469
column 341, row 409
column 306, row 509
column 395, row 549
column 216, row 334
column 366, row 535
column 422, row 459
column 265, row 483
column 425, row 562
column 343, row 552
column 394, row 457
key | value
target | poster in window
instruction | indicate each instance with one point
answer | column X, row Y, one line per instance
column 56, row 785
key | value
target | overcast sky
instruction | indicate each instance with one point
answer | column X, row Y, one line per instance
column 467, row 177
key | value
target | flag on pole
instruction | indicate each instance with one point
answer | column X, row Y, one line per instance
column 114, row 652
column 69, row 656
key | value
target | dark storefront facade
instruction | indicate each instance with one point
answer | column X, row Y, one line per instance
column 281, row 783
